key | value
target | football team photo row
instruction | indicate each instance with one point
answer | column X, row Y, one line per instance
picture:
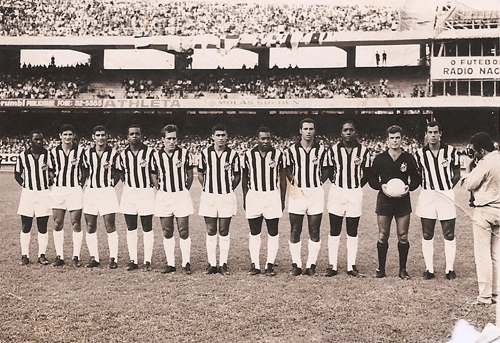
column 69, row 178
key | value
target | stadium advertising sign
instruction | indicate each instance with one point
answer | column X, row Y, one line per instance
column 460, row 68
column 12, row 103
column 8, row 158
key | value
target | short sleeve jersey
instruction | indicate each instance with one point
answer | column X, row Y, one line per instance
column 100, row 168
column 66, row 167
column 348, row 166
column 136, row 167
column 437, row 170
column 218, row 169
column 34, row 170
column 172, row 169
column 305, row 166
column 263, row 171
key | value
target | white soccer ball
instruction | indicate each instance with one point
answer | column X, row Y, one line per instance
column 395, row 188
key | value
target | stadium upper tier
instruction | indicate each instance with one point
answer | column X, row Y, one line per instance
column 184, row 18
column 78, row 82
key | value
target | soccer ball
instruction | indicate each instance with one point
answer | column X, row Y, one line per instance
column 395, row 187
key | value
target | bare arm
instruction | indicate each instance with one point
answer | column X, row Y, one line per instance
column 189, row 180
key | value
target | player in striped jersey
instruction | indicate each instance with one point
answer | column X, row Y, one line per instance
column 138, row 197
column 439, row 166
column 32, row 174
column 173, row 177
column 349, row 160
column 307, row 169
column 66, row 194
column 219, row 175
column 99, row 196
column 264, row 187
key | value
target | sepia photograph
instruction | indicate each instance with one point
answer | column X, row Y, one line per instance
column 217, row 171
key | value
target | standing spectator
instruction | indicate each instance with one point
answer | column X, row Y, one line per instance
column 264, row 187
column 349, row 159
column 307, row 169
column 219, row 175
column 377, row 58
column 173, row 177
column 384, row 58
column 393, row 163
column 32, row 174
column 66, row 194
column 99, row 197
column 138, row 197
column 439, row 166
column 484, row 183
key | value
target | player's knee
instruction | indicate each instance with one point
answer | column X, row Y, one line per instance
column 403, row 239
column 449, row 236
column 352, row 231
column 77, row 226
column 223, row 231
column 168, row 232
column 272, row 231
column 147, row 228
column 383, row 237
column 26, row 229
column 184, row 233
column 428, row 235
column 58, row 224
column 255, row 231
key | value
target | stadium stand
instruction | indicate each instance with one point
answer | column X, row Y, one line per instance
column 184, row 18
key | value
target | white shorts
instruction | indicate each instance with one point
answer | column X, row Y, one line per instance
column 139, row 201
column 345, row 201
column 34, row 203
column 432, row 204
column 266, row 204
column 178, row 204
column 66, row 198
column 100, row 201
column 217, row 205
column 306, row 201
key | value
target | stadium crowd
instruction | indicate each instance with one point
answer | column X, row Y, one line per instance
column 184, row 18
column 51, row 82
column 45, row 82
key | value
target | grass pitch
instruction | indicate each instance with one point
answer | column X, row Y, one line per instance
column 49, row 304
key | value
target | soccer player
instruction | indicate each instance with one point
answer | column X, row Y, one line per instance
column 264, row 187
column 99, row 196
column 484, row 183
column 439, row 166
column 219, row 174
column 173, row 177
column 65, row 165
column 32, row 174
column 349, row 160
column 393, row 163
column 307, row 169
column 138, row 197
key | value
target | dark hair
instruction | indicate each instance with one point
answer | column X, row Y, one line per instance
column 394, row 129
column 35, row 132
column 482, row 140
column 169, row 128
column 348, row 122
column 262, row 129
column 307, row 120
column 67, row 127
column 219, row 127
column 99, row 128
column 432, row 123
column 133, row 126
